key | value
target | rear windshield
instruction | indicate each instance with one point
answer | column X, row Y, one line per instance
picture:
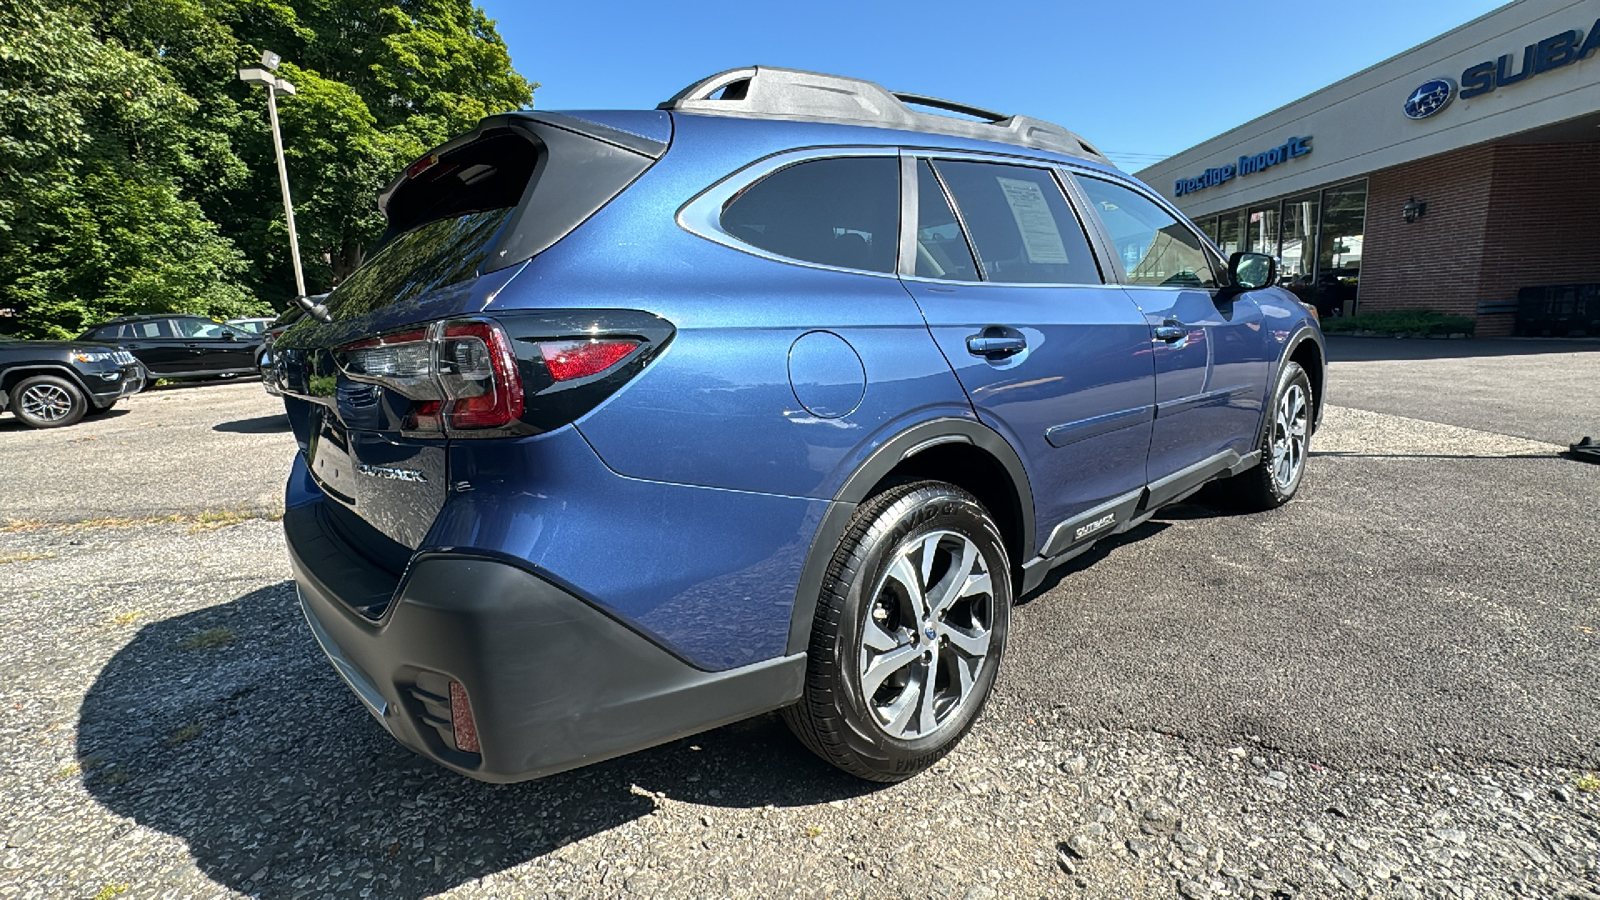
column 432, row 256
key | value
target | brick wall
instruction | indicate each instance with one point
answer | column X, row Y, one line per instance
column 1500, row 217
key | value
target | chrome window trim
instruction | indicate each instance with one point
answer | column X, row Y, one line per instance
column 702, row 215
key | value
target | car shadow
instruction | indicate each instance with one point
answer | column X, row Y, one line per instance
column 259, row 425
column 228, row 728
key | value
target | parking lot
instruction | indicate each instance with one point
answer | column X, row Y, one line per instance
column 1389, row 687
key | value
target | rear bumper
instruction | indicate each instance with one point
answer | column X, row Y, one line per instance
column 553, row 683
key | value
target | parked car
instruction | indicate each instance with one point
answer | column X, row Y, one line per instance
column 50, row 384
column 253, row 325
column 177, row 346
column 776, row 397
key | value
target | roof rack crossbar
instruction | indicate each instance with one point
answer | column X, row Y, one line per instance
column 976, row 112
column 770, row 92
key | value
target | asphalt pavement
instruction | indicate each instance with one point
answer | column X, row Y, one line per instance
column 1386, row 688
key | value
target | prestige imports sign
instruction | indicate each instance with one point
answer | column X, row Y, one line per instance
column 1247, row 165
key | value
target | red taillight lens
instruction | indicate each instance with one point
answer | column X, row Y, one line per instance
column 568, row 360
column 478, row 372
column 459, row 374
column 466, row 730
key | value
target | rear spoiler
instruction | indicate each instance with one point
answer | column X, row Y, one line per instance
column 609, row 159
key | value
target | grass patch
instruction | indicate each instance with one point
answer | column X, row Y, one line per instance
column 124, row 619
column 1588, row 784
column 110, row 891
column 67, row 771
column 25, row 557
column 185, row 734
column 1400, row 322
column 205, row 520
column 211, row 638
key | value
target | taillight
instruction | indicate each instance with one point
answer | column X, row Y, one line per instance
column 570, row 360
column 460, row 374
column 478, row 371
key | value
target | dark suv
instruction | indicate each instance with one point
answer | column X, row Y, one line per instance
column 776, row 397
column 48, row 384
column 174, row 346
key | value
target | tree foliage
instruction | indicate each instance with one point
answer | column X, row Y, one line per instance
column 137, row 172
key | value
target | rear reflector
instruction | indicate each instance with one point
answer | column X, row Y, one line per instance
column 569, row 360
column 466, row 730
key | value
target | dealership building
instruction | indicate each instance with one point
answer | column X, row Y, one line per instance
column 1462, row 176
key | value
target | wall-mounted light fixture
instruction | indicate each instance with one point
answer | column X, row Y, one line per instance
column 1415, row 209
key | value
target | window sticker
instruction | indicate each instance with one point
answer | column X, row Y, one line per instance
column 1040, row 236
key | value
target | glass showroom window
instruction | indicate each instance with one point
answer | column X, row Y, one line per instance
column 1229, row 232
column 1263, row 229
column 1344, row 217
column 1298, row 233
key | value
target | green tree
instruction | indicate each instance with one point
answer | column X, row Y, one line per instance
column 136, row 170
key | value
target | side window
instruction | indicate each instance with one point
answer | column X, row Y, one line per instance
column 199, row 328
column 1156, row 249
column 150, row 328
column 942, row 250
column 842, row 212
column 1020, row 223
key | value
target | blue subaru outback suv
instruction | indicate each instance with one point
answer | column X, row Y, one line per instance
column 772, row 398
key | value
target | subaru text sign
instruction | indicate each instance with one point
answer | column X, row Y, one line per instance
column 1547, row 55
column 1247, row 165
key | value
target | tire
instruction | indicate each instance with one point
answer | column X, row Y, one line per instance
column 48, row 401
column 870, row 631
column 1285, row 446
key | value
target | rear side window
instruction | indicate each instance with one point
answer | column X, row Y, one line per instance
column 842, row 212
column 1156, row 249
column 1020, row 223
column 942, row 250
column 156, row 328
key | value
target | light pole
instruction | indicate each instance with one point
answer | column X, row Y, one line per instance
column 274, row 84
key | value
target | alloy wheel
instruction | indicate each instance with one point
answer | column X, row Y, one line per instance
column 926, row 637
column 47, row 402
column 1289, row 437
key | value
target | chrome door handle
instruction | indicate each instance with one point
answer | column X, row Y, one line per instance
column 996, row 342
column 1171, row 332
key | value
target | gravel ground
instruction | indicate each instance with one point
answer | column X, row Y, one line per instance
column 1388, row 688
column 213, row 446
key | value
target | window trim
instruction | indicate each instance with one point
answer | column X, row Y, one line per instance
column 702, row 215
column 1218, row 261
column 908, row 258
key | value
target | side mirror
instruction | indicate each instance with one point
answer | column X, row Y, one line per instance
column 229, row 336
column 1253, row 271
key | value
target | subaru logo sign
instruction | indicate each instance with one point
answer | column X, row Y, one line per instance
column 1431, row 97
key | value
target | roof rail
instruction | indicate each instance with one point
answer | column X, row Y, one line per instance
column 770, row 92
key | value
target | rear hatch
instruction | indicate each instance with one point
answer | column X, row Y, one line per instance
column 407, row 363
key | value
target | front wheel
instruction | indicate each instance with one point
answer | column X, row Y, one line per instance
column 1285, row 446
column 908, row 633
column 48, row 401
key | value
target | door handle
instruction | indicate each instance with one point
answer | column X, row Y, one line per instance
column 996, row 343
column 1171, row 332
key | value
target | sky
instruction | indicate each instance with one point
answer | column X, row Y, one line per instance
column 1140, row 79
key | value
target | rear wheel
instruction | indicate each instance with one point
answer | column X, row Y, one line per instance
column 908, row 633
column 48, row 401
column 1285, row 446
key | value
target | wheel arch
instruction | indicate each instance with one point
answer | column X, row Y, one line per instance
column 961, row 451
column 1307, row 349
column 15, row 374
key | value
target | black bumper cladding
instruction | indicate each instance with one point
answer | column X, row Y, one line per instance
column 553, row 683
